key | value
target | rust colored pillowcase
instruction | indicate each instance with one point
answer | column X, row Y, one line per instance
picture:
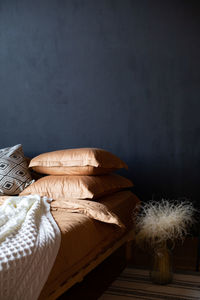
column 81, row 161
column 77, row 187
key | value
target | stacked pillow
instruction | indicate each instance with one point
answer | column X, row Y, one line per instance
column 82, row 161
column 71, row 174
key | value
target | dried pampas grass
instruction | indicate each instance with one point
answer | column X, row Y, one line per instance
column 163, row 221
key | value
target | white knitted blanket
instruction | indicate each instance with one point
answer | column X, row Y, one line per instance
column 29, row 243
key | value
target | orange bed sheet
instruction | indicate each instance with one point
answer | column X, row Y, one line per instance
column 83, row 238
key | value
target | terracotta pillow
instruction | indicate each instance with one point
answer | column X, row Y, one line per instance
column 77, row 187
column 82, row 161
column 95, row 210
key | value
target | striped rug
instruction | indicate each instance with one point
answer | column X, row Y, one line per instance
column 135, row 284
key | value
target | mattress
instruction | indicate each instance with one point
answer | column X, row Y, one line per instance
column 83, row 238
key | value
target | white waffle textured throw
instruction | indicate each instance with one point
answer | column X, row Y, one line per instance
column 29, row 243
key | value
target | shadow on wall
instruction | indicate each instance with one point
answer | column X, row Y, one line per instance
column 154, row 181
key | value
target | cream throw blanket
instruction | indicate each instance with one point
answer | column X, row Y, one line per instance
column 29, row 243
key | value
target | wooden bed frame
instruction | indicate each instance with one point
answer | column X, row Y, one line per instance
column 127, row 239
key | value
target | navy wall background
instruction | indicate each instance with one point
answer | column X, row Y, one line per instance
column 116, row 74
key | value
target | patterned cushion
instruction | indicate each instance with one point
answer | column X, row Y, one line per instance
column 14, row 173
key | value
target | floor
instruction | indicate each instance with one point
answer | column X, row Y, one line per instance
column 136, row 284
column 95, row 283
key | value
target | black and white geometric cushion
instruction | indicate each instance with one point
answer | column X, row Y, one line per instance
column 14, row 173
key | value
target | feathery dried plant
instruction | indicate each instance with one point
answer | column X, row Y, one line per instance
column 163, row 221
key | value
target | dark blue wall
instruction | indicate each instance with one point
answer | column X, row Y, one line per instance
column 120, row 75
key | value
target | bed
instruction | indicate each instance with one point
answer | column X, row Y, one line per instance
column 86, row 237
column 86, row 242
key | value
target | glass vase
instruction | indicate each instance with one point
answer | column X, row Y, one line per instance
column 161, row 272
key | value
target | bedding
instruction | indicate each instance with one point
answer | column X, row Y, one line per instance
column 77, row 187
column 81, row 161
column 29, row 243
column 14, row 173
column 83, row 238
